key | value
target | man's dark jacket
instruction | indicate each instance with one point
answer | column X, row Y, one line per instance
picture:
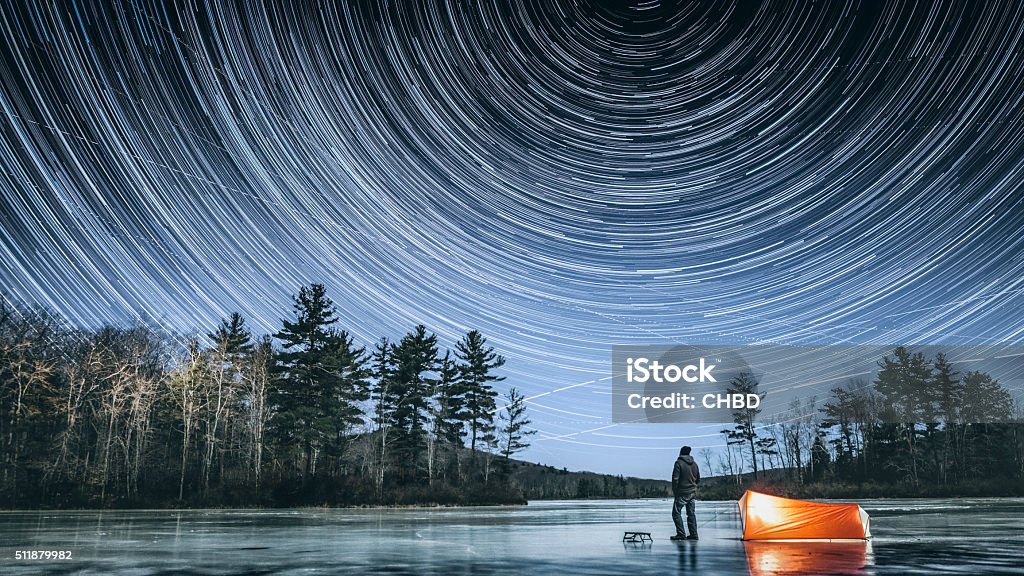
column 685, row 477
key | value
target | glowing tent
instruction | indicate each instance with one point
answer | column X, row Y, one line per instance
column 766, row 517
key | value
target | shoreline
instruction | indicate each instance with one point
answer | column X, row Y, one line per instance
column 476, row 506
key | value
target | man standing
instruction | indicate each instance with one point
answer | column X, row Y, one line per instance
column 685, row 477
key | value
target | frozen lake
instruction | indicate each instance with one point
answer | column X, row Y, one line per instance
column 965, row 536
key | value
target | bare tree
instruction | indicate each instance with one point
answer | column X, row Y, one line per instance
column 187, row 381
column 26, row 378
column 259, row 370
column 79, row 387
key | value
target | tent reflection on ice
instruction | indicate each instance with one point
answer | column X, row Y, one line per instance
column 766, row 517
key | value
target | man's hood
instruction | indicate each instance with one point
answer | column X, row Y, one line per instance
column 688, row 459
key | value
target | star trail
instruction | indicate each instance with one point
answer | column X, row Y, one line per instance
column 561, row 176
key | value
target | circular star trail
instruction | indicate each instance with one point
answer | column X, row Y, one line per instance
column 561, row 176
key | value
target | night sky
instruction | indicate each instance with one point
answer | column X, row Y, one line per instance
column 562, row 178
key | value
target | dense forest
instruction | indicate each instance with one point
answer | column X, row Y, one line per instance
column 920, row 428
column 132, row 416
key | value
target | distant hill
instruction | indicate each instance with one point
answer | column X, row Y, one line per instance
column 540, row 482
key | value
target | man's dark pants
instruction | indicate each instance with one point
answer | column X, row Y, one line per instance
column 686, row 500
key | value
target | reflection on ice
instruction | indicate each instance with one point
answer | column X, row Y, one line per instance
column 807, row 557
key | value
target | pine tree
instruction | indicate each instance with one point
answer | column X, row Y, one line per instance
column 477, row 363
column 415, row 360
column 347, row 364
column 744, row 432
column 513, row 430
column 904, row 381
column 305, row 400
column 382, row 392
column 232, row 337
column 984, row 399
column 450, row 398
column 384, row 395
column 448, row 429
column 231, row 341
column 949, row 388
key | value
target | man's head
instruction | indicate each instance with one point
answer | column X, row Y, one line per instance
column 684, row 451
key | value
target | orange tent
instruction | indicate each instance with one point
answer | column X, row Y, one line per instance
column 766, row 517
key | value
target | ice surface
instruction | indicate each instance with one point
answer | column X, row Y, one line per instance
column 966, row 536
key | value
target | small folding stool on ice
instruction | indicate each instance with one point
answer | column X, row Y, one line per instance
column 637, row 537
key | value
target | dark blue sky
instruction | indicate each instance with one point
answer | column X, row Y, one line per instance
column 561, row 177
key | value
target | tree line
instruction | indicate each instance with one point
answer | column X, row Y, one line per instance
column 132, row 416
column 920, row 424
